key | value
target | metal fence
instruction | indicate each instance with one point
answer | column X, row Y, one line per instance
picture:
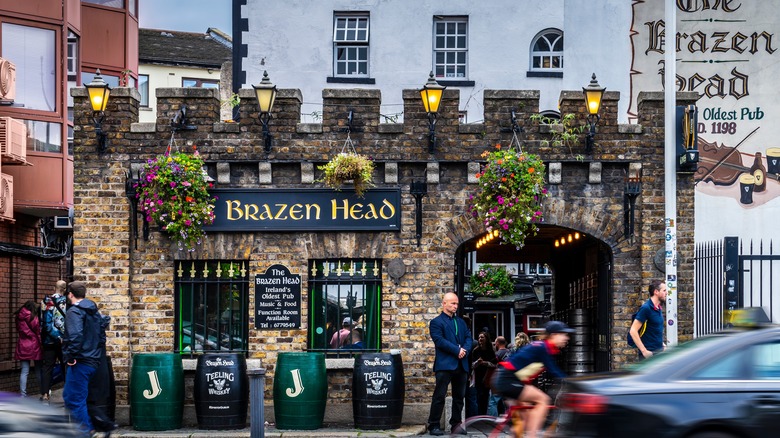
column 734, row 274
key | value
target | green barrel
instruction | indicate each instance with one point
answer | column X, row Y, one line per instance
column 156, row 391
column 300, row 391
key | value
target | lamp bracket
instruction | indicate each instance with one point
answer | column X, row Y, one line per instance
column 131, row 192
column 350, row 123
column 515, row 128
column 179, row 121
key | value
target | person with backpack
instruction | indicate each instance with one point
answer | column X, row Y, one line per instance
column 28, row 345
column 53, row 308
column 647, row 328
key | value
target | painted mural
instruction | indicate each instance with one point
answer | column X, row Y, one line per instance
column 726, row 52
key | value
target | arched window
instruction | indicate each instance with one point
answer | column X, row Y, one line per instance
column 547, row 51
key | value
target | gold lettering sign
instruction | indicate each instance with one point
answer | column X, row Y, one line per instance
column 312, row 210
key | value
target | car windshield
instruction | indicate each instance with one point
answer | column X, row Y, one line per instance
column 663, row 359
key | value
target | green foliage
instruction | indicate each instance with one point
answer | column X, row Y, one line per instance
column 349, row 166
column 233, row 101
column 511, row 188
column 491, row 281
column 563, row 131
column 173, row 192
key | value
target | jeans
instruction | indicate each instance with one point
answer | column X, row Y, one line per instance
column 495, row 405
column 26, row 372
column 459, row 380
column 75, row 393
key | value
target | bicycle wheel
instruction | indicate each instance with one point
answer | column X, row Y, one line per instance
column 485, row 426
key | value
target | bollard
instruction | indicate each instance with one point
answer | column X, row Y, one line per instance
column 256, row 403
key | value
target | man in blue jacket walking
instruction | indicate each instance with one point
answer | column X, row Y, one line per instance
column 452, row 339
column 81, row 351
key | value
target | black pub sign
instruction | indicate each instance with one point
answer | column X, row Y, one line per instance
column 306, row 210
column 277, row 299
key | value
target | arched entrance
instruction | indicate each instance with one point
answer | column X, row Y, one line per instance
column 561, row 273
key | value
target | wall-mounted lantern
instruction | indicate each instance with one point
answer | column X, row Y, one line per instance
column 431, row 97
column 266, row 95
column 99, row 91
column 687, row 148
column 593, row 94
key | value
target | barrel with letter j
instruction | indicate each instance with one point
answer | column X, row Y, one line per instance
column 156, row 391
column 300, row 391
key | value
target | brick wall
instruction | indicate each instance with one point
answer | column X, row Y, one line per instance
column 135, row 285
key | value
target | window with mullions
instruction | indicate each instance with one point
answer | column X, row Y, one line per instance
column 450, row 47
column 350, row 45
column 345, row 302
column 211, row 304
column 547, row 51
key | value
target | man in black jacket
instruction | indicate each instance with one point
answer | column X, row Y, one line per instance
column 81, row 351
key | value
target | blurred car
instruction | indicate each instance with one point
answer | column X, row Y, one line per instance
column 28, row 417
column 725, row 385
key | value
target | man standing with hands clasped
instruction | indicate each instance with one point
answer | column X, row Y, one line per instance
column 652, row 340
column 452, row 339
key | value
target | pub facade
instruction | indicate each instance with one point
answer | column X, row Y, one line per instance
column 288, row 262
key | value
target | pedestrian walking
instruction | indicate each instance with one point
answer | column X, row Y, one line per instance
column 651, row 341
column 28, row 344
column 53, row 309
column 81, row 351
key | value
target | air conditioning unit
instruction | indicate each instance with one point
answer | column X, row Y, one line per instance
column 7, row 80
column 6, row 196
column 63, row 223
column 13, row 139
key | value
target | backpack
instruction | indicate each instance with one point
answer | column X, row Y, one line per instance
column 642, row 329
column 52, row 319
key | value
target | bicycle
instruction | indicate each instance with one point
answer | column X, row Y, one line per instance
column 508, row 424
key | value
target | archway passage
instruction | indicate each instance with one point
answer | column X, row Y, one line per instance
column 561, row 274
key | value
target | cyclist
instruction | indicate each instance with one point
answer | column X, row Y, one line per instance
column 513, row 377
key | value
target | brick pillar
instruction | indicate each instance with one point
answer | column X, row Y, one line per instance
column 101, row 238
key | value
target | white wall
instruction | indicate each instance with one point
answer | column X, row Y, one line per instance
column 292, row 40
column 162, row 76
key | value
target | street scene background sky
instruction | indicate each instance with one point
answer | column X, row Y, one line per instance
column 185, row 15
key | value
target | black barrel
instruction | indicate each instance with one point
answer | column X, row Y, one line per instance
column 221, row 391
column 378, row 391
column 101, row 398
column 579, row 353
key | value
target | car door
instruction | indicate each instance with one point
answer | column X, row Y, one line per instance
column 742, row 387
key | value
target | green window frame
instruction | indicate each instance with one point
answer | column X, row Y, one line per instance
column 211, row 306
column 345, row 288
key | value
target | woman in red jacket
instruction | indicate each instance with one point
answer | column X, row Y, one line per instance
column 28, row 346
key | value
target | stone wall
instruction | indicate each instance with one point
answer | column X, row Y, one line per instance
column 134, row 285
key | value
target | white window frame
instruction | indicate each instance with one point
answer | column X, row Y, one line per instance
column 550, row 54
column 351, row 45
column 73, row 56
column 450, row 48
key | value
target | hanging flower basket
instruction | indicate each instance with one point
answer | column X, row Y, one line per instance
column 349, row 166
column 173, row 192
column 491, row 281
column 511, row 189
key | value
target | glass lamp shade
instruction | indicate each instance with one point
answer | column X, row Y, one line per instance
column 593, row 94
column 266, row 94
column 98, row 91
column 431, row 95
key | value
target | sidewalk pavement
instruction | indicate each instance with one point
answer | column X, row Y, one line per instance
column 329, row 431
